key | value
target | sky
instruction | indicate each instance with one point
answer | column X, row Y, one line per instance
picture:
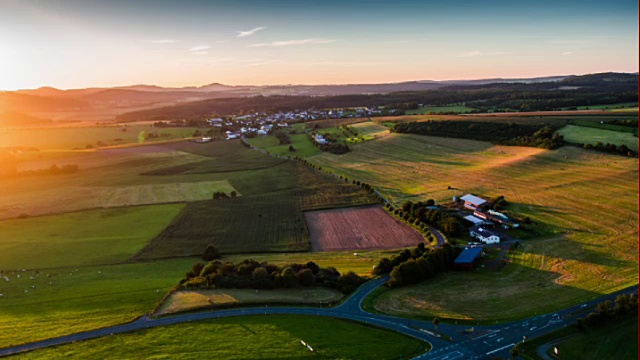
column 87, row 43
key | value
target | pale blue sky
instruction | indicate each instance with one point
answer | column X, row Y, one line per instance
column 72, row 44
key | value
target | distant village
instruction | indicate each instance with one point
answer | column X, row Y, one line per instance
column 260, row 124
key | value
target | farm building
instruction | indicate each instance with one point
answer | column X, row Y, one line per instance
column 484, row 235
column 473, row 202
column 467, row 259
column 476, row 220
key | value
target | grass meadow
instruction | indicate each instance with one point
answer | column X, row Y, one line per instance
column 93, row 237
column 590, row 242
column 590, row 135
column 250, row 337
column 71, row 299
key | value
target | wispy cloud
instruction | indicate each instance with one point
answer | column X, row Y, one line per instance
column 164, row 41
column 480, row 53
column 250, row 32
column 567, row 53
column 200, row 48
column 294, row 42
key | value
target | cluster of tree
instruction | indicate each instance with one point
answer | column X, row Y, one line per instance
column 610, row 148
column 418, row 264
column 606, row 312
column 262, row 275
column 181, row 123
column 584, row 91
column 332, row 145
column 283, row 137
column 542, row 136
column 223, row 195
column 417, row 214
column 498, row 203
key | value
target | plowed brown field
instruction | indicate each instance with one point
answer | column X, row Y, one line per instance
column 358, row 229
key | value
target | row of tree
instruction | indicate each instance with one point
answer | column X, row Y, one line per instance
column 418, row 214
column 263, row 275
column 610, row 148
column 542, row 136
column 418, row 264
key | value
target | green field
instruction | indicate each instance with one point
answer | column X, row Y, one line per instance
column 255, row 337
column 301, row 143
column 587, row 251
column 81, row 298
column 67, row 138
column 613, row 341
column 81, row 238
column 440, row 109
column 632, row 106
column 590, row 135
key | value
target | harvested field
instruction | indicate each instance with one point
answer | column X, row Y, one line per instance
column 358, row 228
column 207, row 298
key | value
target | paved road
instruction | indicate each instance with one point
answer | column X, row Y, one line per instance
column 484, row 343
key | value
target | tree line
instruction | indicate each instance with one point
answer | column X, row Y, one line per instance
column 541, row 136
column 252, row 274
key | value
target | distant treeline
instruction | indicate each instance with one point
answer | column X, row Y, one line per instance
column 262, row 275
column 575, row 91
column 541, row 136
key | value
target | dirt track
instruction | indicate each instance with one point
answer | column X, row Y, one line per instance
column 358, row 229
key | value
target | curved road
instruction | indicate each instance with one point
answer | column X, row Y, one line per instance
column 485, row 342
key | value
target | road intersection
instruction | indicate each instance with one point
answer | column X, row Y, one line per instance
column 485, row 342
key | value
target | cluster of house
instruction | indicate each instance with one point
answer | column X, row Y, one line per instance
column 482, row 219
column 319, row 139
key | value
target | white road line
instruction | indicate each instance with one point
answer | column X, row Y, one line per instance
column 487, row 334
column 498, row 349
column 450, row 356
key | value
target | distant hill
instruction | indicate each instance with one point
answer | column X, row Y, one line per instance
column 16, row 102
column 11, row 118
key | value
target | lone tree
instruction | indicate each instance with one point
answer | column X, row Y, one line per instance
column 436, row 322
column 210, row 253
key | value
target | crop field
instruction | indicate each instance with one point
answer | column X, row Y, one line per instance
column 250, row 337
column 81, row 238
column 439, row 109
column 185, row 300
column 301, row 143
column 370, row 130
column 66, row 300
column 590, row 247
column 99, row 175
column 329, row 123
column 272, row 222
column 68, row 138
column 590, row 135
column 358, row 228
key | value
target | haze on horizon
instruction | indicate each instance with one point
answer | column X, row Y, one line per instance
column 87, row 43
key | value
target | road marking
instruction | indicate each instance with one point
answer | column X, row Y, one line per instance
column 450, row 356
column 498, row 349
column 487, row 334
